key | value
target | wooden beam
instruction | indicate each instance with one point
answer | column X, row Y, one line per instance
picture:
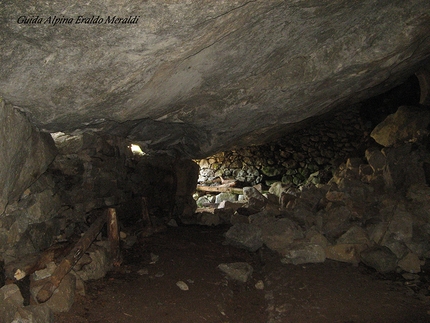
column 145, row 213
column 23, row 267
column 219, row 189
column 70, row 260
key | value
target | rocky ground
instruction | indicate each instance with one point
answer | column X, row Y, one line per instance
column 145, row 289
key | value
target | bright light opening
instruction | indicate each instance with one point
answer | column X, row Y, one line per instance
column 136, row 150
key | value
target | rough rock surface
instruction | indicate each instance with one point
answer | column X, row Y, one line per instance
column 13, row 310
column 377, row 214
column 26, row 154
column 408, row 124
column 199, row 77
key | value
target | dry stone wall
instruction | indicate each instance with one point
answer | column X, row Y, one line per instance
column 90, row 171
column 375, row 209
column 317, row 150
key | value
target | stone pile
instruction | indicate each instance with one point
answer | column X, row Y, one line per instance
column 312, row 150
column 374, row 210
column 93, row 265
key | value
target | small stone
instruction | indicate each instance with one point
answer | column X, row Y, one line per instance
column 239, row 271
column 19, row 274
column 410, row 263
column 12, row 293
column 315, row 237
column 159, row 274
column 122, row 235
column 303, row 254
column 209, row 219
column 182, row 285
column 376, row 159
column 226, row 196
column 277, row 188
column 100, row 262
column 256, row 200
column 143, row 271
column 409, row 276
column 172, row 223
column 271, row 171
column 344, row 252
column 154, row 258
column 204, row 163
column 203, row 201
column 259, row 285
column 44, row 273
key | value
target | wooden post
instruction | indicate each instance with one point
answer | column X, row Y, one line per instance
column 113, row 236
column 145, row 214
column 70, row 260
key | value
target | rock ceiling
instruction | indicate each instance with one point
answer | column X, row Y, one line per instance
column 196, row 77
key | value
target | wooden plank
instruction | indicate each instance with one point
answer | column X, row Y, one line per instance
column 219, row 189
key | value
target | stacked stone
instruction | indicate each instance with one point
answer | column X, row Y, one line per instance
column 374, row 210
column 318, row 148
column 89, row 170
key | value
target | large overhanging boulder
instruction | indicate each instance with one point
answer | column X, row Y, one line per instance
column 198, row 76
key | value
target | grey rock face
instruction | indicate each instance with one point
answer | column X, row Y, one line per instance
column 26, row 154
column 203, row 76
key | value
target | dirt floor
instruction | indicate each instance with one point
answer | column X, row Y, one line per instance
column 144, row 288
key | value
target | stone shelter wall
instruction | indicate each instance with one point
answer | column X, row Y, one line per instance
column 316, row 150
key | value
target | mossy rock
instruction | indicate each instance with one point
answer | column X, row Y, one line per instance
column 271, row 171
column 287, row 179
